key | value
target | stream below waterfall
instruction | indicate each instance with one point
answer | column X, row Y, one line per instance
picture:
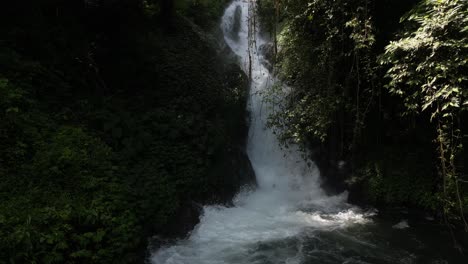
column 288, row 218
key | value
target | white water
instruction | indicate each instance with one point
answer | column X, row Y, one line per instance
column 287, row 203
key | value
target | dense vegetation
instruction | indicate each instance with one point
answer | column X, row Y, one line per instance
column 382, row 85
column 102, row 143
column 117, row 115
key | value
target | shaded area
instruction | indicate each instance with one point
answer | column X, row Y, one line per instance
column 112, row 129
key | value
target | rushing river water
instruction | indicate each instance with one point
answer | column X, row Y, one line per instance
column 288, row 219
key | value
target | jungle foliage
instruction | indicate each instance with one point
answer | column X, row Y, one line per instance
column 101, row 141
column 383, row 85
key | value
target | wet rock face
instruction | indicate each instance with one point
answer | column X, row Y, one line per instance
column 185, row 218
column 229, row 167
column 333, row 175
column 232, row 168
column 334, row 169
column 236, row 23
column 267, row 51
column 238, row 173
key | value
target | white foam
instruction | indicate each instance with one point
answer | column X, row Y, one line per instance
column 288, row 198
column 401, row 225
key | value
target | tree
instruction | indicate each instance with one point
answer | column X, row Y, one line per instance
column 428, row 68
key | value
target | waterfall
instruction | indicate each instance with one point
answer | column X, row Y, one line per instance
column 264, row 225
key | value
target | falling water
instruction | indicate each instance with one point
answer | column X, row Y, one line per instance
column 288, row 198
column 287, row 218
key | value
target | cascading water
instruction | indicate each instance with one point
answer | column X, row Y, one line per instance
column 288, row 198
column 287, row 218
